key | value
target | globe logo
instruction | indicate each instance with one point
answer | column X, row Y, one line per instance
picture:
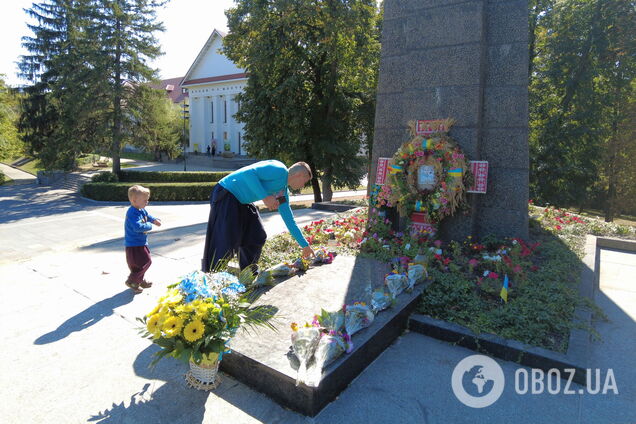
column 478, row 381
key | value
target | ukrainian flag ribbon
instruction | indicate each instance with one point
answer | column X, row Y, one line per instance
column 427, row 144
column 455, row 172
column 395, row 169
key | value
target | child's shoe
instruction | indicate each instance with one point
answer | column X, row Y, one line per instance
column 134, row 287
column 145, row 284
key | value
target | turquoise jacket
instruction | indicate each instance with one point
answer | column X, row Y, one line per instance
column 259, row 180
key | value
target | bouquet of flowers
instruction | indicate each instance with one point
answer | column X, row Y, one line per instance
column 304, row 343
column 330, row 346
column 357, row 317
column 199, row 315
column 416, row 273
column 380, row 300
column 395, row 283
column 331, row 321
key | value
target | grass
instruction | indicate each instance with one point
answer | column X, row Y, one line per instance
column 32, row 166
column 596, row 213
column 148, row 157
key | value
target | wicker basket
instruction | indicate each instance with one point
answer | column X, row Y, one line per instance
column 204, row 376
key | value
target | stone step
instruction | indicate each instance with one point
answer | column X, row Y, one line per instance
column 260, row 358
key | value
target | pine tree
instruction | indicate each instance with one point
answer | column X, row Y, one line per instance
column 156, row 122
column 54, row 106
column 125, row 30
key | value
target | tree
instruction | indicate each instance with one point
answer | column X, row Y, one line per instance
column 582, row 74
column 125, row 30
column 10, row 142
column 84, row 58
column 56, row 107
column 312, row 69
column 156, row 122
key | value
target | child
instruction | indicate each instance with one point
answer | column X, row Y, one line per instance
column 138, row 223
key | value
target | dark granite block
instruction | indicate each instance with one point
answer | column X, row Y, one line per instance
column 397, row 74
column 393, row 38
column 389, row 110
column 507, row 22
column 506, row 147
column 458, row 226
column 402, row 8
column 259, row 358
column 501, row 222
column 444, row 26
column 458, row 102
column 507, row 64
column 509, row 350
column 507, row 188
column 446, row 66
column 466, row 138
column 506, row 106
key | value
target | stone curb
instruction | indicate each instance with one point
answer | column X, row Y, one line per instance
column 332, row 206
column 577, row 355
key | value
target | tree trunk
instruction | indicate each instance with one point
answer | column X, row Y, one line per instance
column 117, row 113
column 314, row 183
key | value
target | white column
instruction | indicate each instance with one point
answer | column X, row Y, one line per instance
column 218, row 123
column 233, row 138
column 207, row 141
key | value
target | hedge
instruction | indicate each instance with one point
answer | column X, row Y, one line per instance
column 169, row 176
column 118, row 192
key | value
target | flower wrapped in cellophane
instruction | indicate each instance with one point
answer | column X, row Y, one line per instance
column 395, row 283
column 416, row 274
column 330, row 347
column 301, row 264
column 331, row 321
column 357, row 317
column 323, row 256
column 304, row 343
column 380, row 300
column 199, row 315
column 282, row 269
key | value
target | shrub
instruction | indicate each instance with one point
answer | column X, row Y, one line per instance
column 164, row 176
column 158, row 191
column 105, row 177
column 2, row 177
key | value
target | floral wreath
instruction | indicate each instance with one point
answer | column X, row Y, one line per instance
column 427, row 174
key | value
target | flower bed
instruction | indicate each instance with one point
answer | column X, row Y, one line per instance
column 467, row 277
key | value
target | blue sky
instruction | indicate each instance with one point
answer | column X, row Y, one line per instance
column 188, row 24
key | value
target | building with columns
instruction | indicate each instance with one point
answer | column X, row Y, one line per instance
column 212, row 82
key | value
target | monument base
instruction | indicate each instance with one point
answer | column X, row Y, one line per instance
column 260, row 358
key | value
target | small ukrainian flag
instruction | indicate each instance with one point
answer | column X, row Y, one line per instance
column 455, row 172
column 504, row 289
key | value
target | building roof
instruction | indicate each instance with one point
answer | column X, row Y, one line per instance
column 173, row 88
column 188, row 80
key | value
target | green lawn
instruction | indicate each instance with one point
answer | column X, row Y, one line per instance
column 32, row 166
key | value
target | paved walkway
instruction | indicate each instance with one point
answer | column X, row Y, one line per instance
column 18, row 176
column 72, row 353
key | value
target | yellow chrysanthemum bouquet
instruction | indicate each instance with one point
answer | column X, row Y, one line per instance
column 200, row 314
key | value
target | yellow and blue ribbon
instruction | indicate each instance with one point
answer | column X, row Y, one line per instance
column 455, row 172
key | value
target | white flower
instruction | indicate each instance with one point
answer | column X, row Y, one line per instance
column 407, row 246
column 486, row 273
